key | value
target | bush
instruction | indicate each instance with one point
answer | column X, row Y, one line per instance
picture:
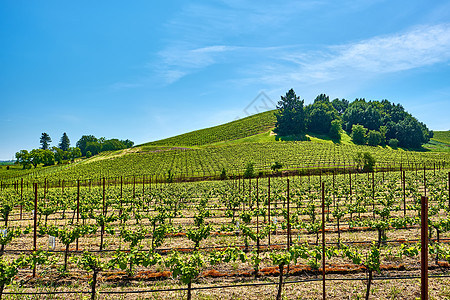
column 276, row 167
column 393, row 143
column 249, row 170
column 374, row 138
column 223, row 175
column 88, row 154
column 359, row 134
column 364, row 161
column 335, row 130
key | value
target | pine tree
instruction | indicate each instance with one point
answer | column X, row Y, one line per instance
column 45, row 141
column 290, row 115
column 64, row 144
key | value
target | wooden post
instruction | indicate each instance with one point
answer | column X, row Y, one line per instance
column 21, row 196
column 323, row 238
column 404, row 194
column 257, row 216
column 268, row 204
column 143, row 186
column 373, row 194
column 288, row 216
column 78, row 207
column 424, row 250
column 121, row 186
column 424, row 182
column 35, row 222
column 134, row 187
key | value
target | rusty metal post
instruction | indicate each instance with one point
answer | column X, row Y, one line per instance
column 323, row 238
column 21, row 196
column 268, row 204
column 257, row 216
column 424, row 250
column 35, row 222
column 424, row 181
column 288, row 218
column 404, row 194
column 78, row 207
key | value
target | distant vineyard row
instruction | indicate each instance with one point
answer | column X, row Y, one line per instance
column 209, row 161
column 252, row 125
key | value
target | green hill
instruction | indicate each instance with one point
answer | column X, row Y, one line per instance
column 440, row 142
column 442, row 136
column 238, row 129
column 230, row 146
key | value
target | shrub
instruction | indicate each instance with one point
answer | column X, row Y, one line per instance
column 364, row 161
column 249, row 170
column 276, row 167
column 335, row 130
column 359, row 134
column 374, row 138
column 223, row 175
column 393, row 143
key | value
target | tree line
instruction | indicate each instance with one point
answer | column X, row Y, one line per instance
column 367, row 122
column 87, row 145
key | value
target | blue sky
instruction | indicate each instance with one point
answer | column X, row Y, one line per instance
column 146, row 70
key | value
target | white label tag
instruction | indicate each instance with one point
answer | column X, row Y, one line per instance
column 51, row 242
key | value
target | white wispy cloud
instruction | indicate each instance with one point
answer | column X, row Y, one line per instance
column 178, row 61
column 418, row 47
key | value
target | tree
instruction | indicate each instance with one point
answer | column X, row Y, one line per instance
column 112, row 144
column 249, row 170
column 127, row 143
column 411, row 133
column 64, row 144
column 45, row 141
column 383, row 132
column 47, row 157
column 83, row 142
column 276, row 167
column 335, row 130
column 290, row 115
column 36, row 156
column 340, row 105
column 359, row 134
column 393, row 143
column 320, row 114
column 23, row 158
column 374, row 138
column 94, row 147
column 364, row 161
column 75, row 152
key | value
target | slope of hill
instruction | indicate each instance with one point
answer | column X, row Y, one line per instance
column 442, row 136
column 238, row 129
column 231, row 146
column 440, row 142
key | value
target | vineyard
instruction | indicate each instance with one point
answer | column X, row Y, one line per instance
column 442, row 136
column 238, row 129
column 209, row 162
column 256, row 238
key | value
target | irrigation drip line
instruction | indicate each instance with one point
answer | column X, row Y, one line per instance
column 226, row 286
column 250, row 247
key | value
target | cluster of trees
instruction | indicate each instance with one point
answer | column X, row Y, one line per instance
column 88, row 145
column 373, row 123
column 384, row 122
